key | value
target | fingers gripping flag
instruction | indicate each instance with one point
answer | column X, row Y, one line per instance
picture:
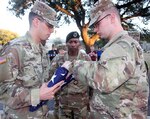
column 59, row 75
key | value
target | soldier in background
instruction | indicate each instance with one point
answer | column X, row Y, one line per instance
column 61, row 49
column 28, row 68
column 93, row 53
column 72, row 102
column 119, row 77
column 53, row 52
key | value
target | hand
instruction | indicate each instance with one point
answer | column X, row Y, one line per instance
column 47, row 93
column 67, row 65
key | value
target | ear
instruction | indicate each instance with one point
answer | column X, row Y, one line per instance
column 35, row 22
column 113, row 17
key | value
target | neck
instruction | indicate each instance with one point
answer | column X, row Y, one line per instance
column 34, row 36
column 117, row 30
column 73, row 52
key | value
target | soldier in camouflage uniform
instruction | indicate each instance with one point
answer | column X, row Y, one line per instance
column 72, row 102
column 28, row 68
column 119, row 77
column 61, row 49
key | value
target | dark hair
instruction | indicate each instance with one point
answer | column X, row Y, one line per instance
column 32, row 16
column 53, row 45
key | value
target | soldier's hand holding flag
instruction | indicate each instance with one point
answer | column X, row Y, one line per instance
column 48, row 90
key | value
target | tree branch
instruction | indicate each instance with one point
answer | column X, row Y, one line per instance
column 63, row 10
column 88, row 40
column 129, row 4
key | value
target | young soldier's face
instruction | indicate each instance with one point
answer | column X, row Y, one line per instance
column 73, row 43
column 43, row 29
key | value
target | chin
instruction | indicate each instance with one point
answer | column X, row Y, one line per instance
column 48, row 35
column 46, row 38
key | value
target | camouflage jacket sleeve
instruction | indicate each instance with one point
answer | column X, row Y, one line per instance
column 19, row 90
column 84, row 56
column 117, row 65
column 11, row 88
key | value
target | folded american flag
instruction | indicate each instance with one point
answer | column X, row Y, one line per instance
column 59, row 75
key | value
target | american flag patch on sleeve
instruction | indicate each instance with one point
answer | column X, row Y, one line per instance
column 2, row 60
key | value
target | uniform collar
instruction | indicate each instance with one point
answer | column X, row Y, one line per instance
column 115, row 38
column 36, row 47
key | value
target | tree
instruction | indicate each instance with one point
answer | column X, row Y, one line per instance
column 79, row 11
column 6, row 36
column 146, row 36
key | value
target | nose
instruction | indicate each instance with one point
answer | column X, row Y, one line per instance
column 73, row 43
column 51, row 30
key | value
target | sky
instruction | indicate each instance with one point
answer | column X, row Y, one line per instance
column 10, row 22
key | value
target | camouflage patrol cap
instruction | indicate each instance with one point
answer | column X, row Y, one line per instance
column 99, row 7
column 46, row 12
column 71, row 35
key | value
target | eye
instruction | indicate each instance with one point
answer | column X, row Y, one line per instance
column 73, row 42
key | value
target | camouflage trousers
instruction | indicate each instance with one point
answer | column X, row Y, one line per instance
column 114, row 114
column 65, row 113
column 24, row 113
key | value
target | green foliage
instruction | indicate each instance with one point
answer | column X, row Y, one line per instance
column 6, row 36
column 19, row 7
column 79, row 10
column 130, row 9
column 145, row 36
